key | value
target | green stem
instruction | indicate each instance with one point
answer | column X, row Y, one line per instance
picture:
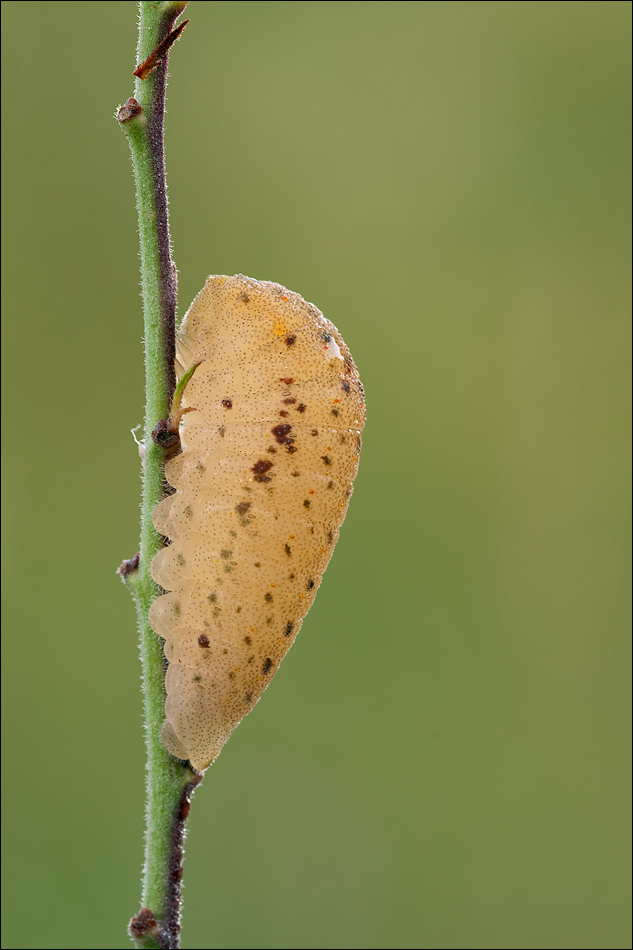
column 169, row 782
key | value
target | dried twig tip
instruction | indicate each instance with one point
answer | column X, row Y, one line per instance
column 158, row 56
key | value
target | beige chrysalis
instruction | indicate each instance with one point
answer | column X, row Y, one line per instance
column 261, row 489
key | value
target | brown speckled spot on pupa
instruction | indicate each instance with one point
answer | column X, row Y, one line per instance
column 227, row 403
column 260, row 469
column 290, row 340
column 281, row 432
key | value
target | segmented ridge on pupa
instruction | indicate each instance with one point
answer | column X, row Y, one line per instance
column 261, row 489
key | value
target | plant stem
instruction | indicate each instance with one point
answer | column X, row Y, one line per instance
column 170, row 783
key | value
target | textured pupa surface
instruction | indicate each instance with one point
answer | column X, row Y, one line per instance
column 261, row 488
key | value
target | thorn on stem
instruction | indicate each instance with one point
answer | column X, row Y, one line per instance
column 158, row 55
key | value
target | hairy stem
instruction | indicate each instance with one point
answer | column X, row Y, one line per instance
column 170, row 783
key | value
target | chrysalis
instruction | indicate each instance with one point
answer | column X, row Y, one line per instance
column 261, row 489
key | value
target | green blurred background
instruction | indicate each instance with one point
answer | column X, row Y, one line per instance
column 442, row 761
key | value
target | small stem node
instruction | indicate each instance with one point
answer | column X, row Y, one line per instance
column 128, row 570
column 131, row 111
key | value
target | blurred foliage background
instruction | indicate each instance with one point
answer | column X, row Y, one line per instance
column 442, row 761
